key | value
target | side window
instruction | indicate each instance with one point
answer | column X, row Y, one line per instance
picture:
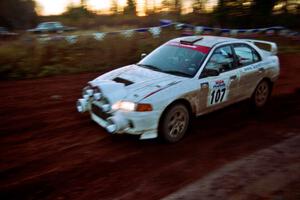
column 245, row 55
column 221, row 60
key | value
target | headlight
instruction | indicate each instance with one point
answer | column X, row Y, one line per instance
column 124, row 105
column 130, row 106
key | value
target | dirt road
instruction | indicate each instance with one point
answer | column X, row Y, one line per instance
column 49, row 151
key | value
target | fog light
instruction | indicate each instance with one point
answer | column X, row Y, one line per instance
column 106, row 107
column 119, row 123
column 111, row 128
column 97, row 96
column 81, row 105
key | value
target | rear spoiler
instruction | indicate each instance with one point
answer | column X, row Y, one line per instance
column 273, row 46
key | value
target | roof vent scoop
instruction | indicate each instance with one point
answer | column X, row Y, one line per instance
column 124, row 81
column 190, row 40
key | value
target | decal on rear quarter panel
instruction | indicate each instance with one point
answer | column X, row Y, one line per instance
column 258, row 65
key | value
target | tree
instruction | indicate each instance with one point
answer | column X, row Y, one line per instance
column 263, row 8
column 83, row 3
column 130, row 8
column 77, row 12
column 261, row 12
column 114, row 7
column 17, row 14
column 220, row 12
column 177, row 6
column 150, row 7
column 166, row 5
column 198, row 5
column 173, row 6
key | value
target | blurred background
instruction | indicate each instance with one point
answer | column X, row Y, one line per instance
column 49, row 151
column 30, row 48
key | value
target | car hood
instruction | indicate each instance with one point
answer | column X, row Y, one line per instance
column 133, row 83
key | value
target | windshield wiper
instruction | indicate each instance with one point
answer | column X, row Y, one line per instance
column 150, row 67
column 179, row 73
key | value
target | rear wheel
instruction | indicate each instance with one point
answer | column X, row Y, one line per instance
column 174, row 123
column 261, row 94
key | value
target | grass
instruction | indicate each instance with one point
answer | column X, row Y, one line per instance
column 28, row 58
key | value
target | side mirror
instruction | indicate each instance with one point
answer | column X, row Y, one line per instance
column 143, row 55
column 209, row 72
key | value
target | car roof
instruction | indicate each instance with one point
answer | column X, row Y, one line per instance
column 50, row 22
column 208, row 41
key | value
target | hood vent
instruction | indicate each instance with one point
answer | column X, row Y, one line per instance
column 124, row 81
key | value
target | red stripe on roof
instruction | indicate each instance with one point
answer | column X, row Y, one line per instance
column 202, row 49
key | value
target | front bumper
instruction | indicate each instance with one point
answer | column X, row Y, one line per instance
column 144, row 124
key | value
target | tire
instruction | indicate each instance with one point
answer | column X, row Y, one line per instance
column 174, row 123
column 261, row 94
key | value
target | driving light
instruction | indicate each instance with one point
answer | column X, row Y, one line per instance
column 81, row 105
column 86, row 97
column 105, row 107
column 111, row 128
column 89, row 92
column 130, row 106
column 97, row 96
column 85, row 89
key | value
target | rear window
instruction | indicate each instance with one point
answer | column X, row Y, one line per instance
column 245, row 54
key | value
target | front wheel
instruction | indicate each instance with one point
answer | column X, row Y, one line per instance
column 261, row 94
column 174, row 123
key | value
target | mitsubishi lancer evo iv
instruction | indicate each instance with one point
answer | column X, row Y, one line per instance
column 185, row 77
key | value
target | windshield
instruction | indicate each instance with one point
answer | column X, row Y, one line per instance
column 174, row 60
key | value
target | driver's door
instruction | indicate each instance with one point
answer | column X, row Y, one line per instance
column 219, row 80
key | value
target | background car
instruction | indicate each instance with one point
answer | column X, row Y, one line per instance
column 4, row 33
column 51, row 27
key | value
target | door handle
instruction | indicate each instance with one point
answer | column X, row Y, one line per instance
column 232, row 78
column 261, row 70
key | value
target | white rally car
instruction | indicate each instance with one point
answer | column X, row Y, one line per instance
column 185, row 77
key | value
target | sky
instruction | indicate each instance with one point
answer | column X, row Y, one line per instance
column 54, row 7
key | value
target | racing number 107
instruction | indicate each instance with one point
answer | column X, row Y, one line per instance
column 217, row 96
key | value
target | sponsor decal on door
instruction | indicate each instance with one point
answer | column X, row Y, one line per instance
column 217, row 92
